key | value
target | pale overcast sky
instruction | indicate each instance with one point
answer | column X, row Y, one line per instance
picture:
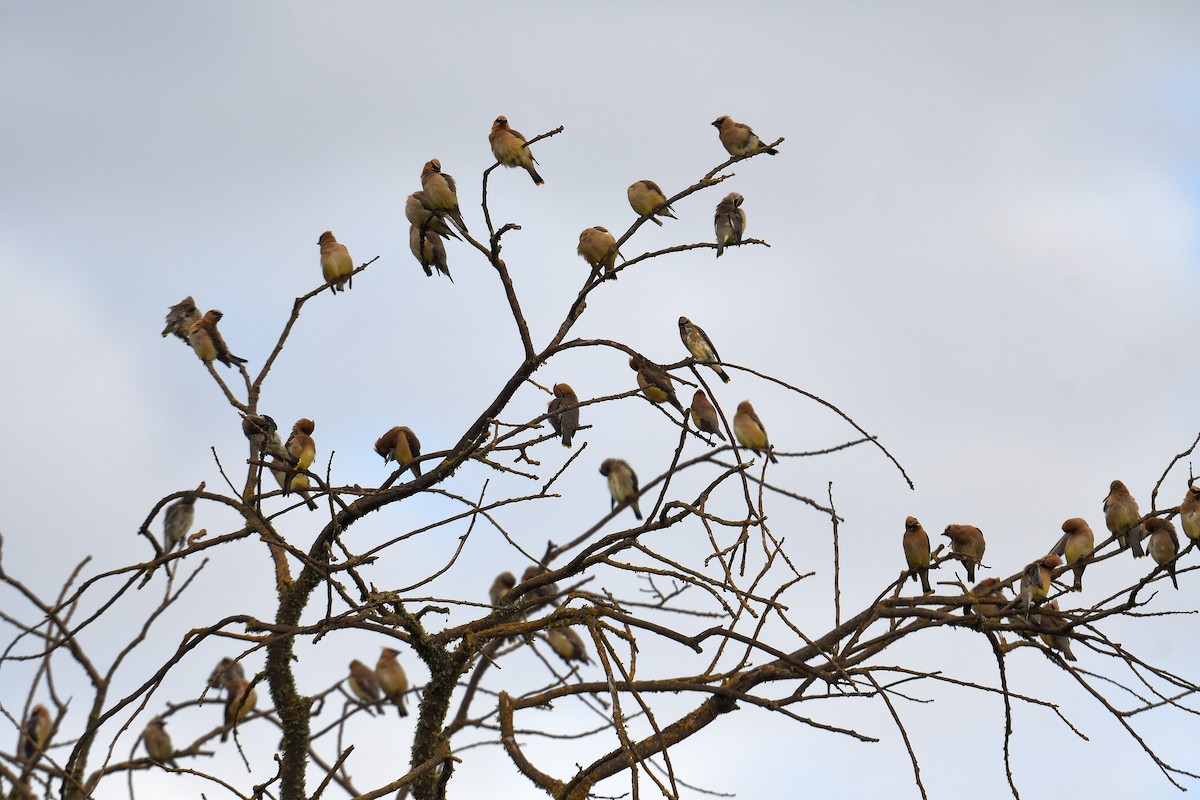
column 985, row 247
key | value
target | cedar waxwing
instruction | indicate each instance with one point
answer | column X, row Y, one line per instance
column 441, row 192
column 1189, row 512
column 989, row 598
column 1121, row 515
column 498, row 592
column 178, row 520
column 1054, row 634
column 967, row 541
column 364, row 685
column 1076, row 547
column 158, row 742
column 916, row 551
column 700, row 346
column 729, row 221
column 225, row 671
column 545, row 591
column 655, row 383
column 509, row 148
column 292, row 481
column 35, row 734
column 1035, row 581
column 240, row 700
column 207, row 343
column 704, row 416
column 567, row 644
column 622, row 484
column 421, row 214
column 263, row 433
column 401, row 445
column 646, row 197
column 300, row 442
column 1164, row 544
column 392, row 680
column 336, row 264
column 738, row 139
column 596, row 243
column 181, row 317
column 751, row 433
column 564, row 412
column 432, row 255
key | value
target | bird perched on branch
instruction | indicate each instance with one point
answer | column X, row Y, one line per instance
column 35, row 734
column 1036, row 579
column 441, row 192
column 401, row 445
column 1189, row 512
column 224, row 672
column 729, row 221
column 498, row 592
column 704, row 416
column 424, row 216
column 240, row 699
column 655, row 383
column 158, row 742
column 916, row 552
column 336, row 264
column 598, row 248
column 1076, row 546
column 564, row 412
column 967, row 541
column 177, row 521
column 700, row 346
column 180, row 319
column 647, row 199
column 508, row 146
column 622, row 484
column 392, row 679
column 989, row 598
column 1163, row 545
column 431, row 254
column 207, row 343
column 738, row 139
column 291, row 481
column 1121, row 515
column 263, row 433
column 567, row 644
column 1053, row 629
column 546, row 590
column 364, row 685
column 750, row 432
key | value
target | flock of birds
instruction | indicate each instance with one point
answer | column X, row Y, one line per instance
column 1075, row 549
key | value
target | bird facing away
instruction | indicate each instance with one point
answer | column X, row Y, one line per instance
column 422, row 215
column 441, row 192
column 263, row 433
column 916, row 552
column 430, row 255
column 729, row 221
column 240, row 701
column 1076, row 547
column 158, row 742
column 35, row 734
column 1035, row 580
column 1189, row 512
column 1053, row 629
column 989, row 597
column 622, row 484
column 700, row 346
column 336, row 264
column 750, row 432
column 598, row 248
column 564, row 412
column 207, row 343
column 178, row 520
column 1121, row 515
column 1163, row 545
column 567, row 644
column 738, row 139
column 364, row 685
column 704, row 416
column 225, row 671
column 967, row 541
column 509, row 148
column 180, row 318
column 647, row 199
column 498, row 591
column 401, row 445
column 392, row 679
column 655, row 383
